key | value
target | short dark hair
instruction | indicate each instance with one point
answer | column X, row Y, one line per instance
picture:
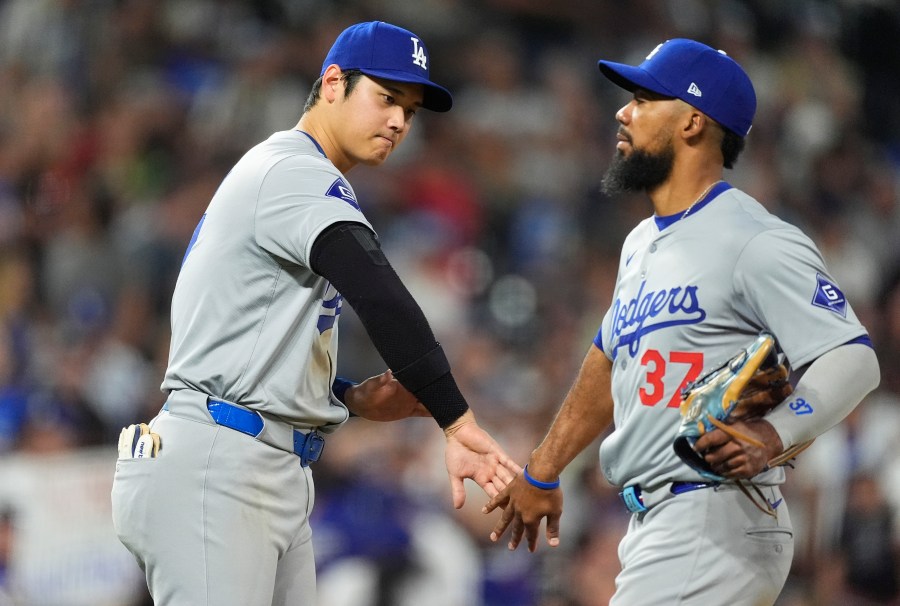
column 350, row 78
column 732, row 146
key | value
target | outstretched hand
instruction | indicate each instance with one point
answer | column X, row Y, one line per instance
column 383, row 398
column 524, row 506
column 472, row 453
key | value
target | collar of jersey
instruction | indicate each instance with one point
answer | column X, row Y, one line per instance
column 718, row 188
column 316, row 143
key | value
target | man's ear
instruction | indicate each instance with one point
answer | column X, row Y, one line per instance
column 696, row 122
column 332, row 83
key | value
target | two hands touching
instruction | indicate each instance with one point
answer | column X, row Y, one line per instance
column 470, row 451
column 525, row 505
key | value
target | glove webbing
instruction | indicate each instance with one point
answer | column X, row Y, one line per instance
column 734, row 433
column 790, row 453
column 737, row 435
column 767, row 508
column 787, row 455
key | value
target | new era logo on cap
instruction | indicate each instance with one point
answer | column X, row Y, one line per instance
column 697, row 74
column 386, row 51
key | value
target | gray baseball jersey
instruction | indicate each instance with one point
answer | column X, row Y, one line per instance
column 690, row 293
column 251, row 322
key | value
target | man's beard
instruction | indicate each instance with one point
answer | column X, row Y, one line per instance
column 641, row 171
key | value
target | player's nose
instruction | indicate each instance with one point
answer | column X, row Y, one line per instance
column 623, row 116
column 397, row 118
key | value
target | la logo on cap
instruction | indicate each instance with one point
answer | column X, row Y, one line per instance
column 382, row 50
column 418, row 54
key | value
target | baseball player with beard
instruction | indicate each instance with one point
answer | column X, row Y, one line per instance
column 215, row 507
column 697, row 282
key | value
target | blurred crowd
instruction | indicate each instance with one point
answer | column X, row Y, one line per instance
column 119, row 118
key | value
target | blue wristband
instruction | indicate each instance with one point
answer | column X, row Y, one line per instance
column 340, row 386
column 538, row 483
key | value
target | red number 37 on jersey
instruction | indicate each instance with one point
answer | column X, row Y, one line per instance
column 683, row 365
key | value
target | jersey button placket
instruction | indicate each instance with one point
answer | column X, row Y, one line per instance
column 651, row 249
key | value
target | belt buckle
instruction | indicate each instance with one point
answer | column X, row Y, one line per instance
column 308, row 447
column 631, row 496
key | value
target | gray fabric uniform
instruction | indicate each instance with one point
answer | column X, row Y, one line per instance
column 687, row 298
column 218, row 511
column 251, row 322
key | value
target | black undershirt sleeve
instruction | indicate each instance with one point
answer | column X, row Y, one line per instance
column 349, row 256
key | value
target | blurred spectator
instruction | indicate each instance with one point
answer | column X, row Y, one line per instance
column 7, row 544
column 868, row 546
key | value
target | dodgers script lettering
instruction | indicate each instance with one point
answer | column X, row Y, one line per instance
column 653, row 310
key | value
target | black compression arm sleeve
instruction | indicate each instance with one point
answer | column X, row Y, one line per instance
column 348, row 255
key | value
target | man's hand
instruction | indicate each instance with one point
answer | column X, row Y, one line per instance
column 739, row 459
column 524, row 506
column 383, row 398
column 585, row 413
column 472, row 453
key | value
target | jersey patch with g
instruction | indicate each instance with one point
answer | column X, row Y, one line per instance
column 829, row 296
column 340, row 190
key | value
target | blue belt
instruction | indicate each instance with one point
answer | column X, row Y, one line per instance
column 634, row 502
column 307, row 446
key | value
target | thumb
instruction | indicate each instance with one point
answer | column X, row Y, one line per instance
column 457, row 491
column 553, row 531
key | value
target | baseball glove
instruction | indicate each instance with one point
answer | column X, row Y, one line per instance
column 746, row 387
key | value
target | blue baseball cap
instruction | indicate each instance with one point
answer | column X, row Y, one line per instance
column 386, row 51
column 699, row 75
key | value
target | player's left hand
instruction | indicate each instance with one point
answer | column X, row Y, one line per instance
column 472, row 453
column 383, row 398
column 737, row 459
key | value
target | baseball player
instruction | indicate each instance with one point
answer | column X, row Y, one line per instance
column 213, row 496
column 697, row 281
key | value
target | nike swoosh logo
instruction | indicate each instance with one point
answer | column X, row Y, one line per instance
column 628, row 259
column 775, row 504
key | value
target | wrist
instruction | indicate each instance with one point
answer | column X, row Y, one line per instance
column 552, row 485
column 343, row 389
column 464, row 419
column 776, row 440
